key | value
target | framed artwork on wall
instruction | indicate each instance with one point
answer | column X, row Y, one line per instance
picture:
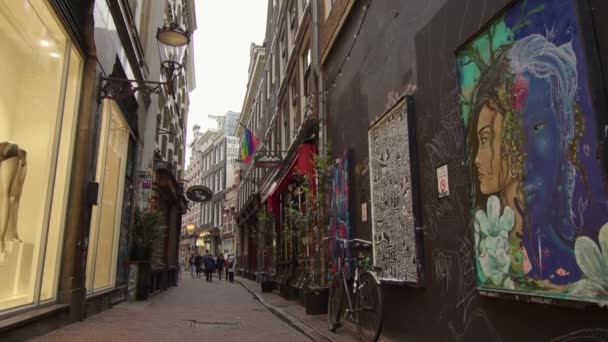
column 539, row 201
column 397, row 243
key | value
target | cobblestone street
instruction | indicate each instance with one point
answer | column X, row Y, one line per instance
column 194, row 311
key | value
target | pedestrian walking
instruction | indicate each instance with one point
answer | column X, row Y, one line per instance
column 219, row 264
column 198, row 262
column 231, row 267
column 209, row 266
column 226, row 263
column 192, row 266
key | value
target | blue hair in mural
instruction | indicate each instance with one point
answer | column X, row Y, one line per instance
column 544, row 95
column 539, row 201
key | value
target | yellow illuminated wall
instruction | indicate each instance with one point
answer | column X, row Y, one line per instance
column 40, row 90
column 105, row 227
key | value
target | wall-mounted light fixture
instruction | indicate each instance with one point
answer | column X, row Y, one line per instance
column 172, row 42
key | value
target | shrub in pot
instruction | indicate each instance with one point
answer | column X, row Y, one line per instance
column 315, row 300
column 147, row 231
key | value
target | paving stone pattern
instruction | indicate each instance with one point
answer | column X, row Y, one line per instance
column 296, row 312
column 193, row 311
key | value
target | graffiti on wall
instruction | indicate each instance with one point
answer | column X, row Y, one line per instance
column 392, row 196
column 538, row 198
column 337, row 199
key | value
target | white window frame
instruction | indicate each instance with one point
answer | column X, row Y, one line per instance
column 108, row 106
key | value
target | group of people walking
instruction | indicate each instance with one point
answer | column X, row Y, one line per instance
column 210, row 263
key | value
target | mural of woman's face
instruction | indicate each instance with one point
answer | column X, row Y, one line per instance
column 488, row 159
column 544, row 156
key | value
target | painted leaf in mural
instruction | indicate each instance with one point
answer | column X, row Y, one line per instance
column 538, row 194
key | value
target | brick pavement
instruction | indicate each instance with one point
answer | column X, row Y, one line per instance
column 295, row 311
column 193, row 311
column 292, row 310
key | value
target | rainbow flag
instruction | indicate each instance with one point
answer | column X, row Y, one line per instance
column 248, row 145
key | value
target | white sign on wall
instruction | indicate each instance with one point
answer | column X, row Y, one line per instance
column 364, row 212
column 443, row 183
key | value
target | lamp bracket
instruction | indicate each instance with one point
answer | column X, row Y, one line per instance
column 119, row 88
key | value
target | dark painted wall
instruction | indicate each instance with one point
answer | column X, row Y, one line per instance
column 407, row 46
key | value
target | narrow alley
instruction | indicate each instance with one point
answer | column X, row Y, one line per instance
column 193, row 311
column 371, row 171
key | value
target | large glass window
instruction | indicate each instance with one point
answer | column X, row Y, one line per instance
column 41, row 73
column 105, row 222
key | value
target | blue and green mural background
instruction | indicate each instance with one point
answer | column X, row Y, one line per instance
column 538, row 194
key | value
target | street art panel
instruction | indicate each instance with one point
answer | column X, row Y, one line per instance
column 393, row 195
column 337, row 199
column 539, row 206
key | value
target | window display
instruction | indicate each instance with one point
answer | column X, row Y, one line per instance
column 105, row 226
column 40, row 91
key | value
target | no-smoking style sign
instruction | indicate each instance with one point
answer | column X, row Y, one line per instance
column 443, row 183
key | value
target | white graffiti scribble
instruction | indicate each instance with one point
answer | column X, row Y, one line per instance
column 392, row 205
column 598, row 335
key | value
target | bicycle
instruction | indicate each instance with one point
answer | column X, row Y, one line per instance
column 366, row 311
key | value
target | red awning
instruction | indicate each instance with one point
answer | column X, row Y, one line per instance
column 303, row 163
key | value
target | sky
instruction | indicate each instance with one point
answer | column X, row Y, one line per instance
column 222, row 40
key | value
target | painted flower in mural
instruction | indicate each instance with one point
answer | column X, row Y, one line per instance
column 492, row 242
column 593, row 261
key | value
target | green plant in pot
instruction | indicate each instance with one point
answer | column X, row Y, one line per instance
column 266, row 237
column 148, row 230
column 316, row 292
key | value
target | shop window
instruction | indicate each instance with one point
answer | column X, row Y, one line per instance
column 286, row 131
column 105, row 218
column 163, row 146
column 167, row 117
column 41, row 74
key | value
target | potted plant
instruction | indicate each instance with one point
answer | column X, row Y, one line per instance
column 266, row 238
column 147, row 231
column 316, row 292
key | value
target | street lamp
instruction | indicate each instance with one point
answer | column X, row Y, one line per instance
column 172, row 42
column 190, row 228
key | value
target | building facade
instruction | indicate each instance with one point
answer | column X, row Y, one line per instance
column 211, row 163
column 375, row 55
column 75, row 174
column 285, row 119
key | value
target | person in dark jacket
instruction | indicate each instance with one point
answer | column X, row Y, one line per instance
column 209, row 263
column 198, row 262
column 192, row 266
column 219, row 264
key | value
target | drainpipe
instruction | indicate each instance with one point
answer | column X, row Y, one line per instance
column 319, row 77
column 322, row 130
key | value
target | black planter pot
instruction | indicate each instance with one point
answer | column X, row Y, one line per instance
column 268, row 286
column 143, row 281
column 139, row 253
column 315, row 300
column 284, row 290
column 301, row 296
column 293, row 292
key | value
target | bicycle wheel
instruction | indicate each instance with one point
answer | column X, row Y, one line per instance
column 335, row 305
column 369, row 308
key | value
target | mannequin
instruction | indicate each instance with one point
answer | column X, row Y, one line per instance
column 13, row 169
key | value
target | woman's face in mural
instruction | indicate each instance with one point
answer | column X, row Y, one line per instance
column 491, row 169
column 544, row 156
